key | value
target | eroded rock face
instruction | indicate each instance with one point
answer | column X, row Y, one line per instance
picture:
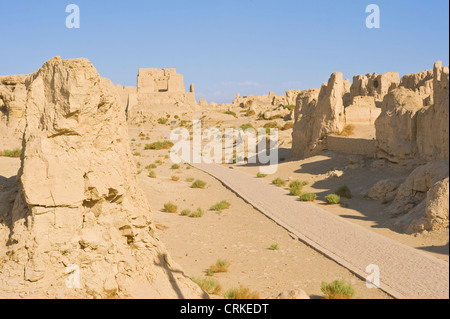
column 317, row 120
column 79, row 207
column 433, row 121
column 408, row 128
column 376, row 85
column 12, row 108
column 421, row 202
column 396, row 127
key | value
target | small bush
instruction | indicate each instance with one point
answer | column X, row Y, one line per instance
column 220, row 206
column 274, row 247
column 137, row 154
column 152, row 174
column 246, row 126
column 241, row 293
column 295, row 188
column 271, row 125
column 297, row 183
column 289, row 107
column 12, row 153
column 348, row 130
column 185, row 212
column 220, row 266
column 170, row 207
column 333, row 199
column 338, row 289
column 287, row 126
column 308, row 197
column 163, row 120
column 159, row 146
column 261, row 175
column 189, row 179
column 175, row 166
column 231, row 113
column 209, row 285
column 249, row 112
column 198, row 184
column 344, row 191
column 276, row 116
column 175, row 178
column 279, row 182
column 197, row 214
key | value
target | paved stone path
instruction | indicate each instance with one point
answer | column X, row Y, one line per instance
column 405, row 272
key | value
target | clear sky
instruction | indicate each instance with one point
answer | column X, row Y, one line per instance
column 228, row 46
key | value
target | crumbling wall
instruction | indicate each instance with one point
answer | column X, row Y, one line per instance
column 408, row 130
column 78, row 205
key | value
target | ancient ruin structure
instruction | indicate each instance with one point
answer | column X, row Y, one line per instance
column 158, row 87
column 409, row 127
column 271, row 99
column 77, row 225
column 411, row 122
column 12, row 110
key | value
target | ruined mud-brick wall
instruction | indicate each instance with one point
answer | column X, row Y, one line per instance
column 409, row 127
column 255, row 101
column 410, row 115
column 77, row 224
column 12, row 110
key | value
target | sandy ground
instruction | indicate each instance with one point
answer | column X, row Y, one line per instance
column 241, row 235
column 233, row 235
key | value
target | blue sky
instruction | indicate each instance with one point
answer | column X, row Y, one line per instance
column 228, row 46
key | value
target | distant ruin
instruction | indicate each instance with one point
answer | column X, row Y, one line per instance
column 157, row 87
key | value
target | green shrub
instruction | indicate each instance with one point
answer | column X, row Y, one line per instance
column 276, row 116
column 220, row 206
column 287, row 126
column 295, row 188
column 308, row 197
column 11, row 153
column 175, row 166
column 163, row 120
column 261, row 175
column 344, row 191
column 274, row 246
column 198, row 213
column 338, row 289
column 185, row 212
column 159, row 146
column 230, row 294
column 246, row 126
column 152, row 174
column 209, row 285
column 289, row 107
column 241, row 293
column 249, row 112
column 198, row 184
column 220, row 266
column 189, row 179
column 279, row 182
column 170, row 207
column 333, row 199
column 231, row 113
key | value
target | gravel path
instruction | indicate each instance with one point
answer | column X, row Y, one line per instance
column 405, row 272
